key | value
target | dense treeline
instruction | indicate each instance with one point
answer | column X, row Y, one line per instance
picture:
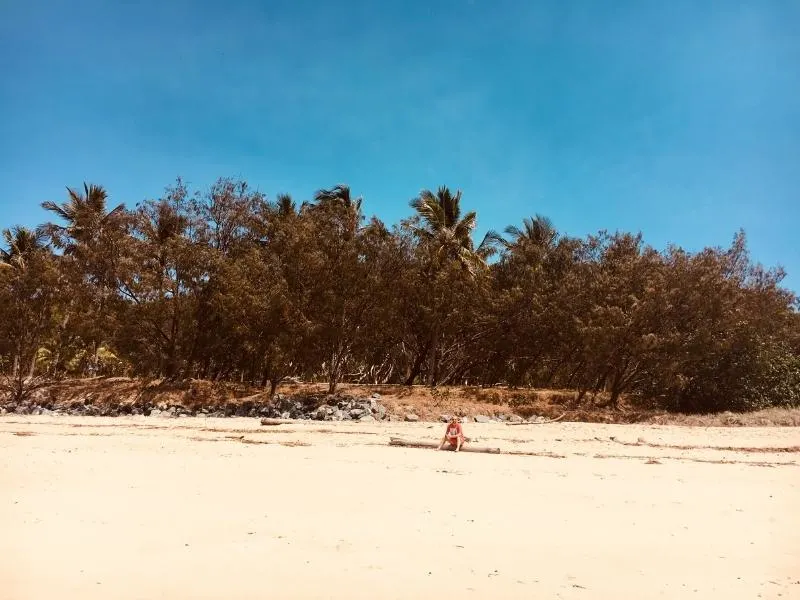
column 229, row 285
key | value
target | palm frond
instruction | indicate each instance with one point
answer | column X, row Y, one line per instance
column 62, row 211
column 462, row 230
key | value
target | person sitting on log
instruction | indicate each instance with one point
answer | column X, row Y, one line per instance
column 454, row 434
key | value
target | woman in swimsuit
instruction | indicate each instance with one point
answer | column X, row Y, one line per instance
column 454, row 435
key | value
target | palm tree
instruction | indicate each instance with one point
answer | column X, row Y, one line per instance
column 446, row 235
column 285, row 206
column 340, row 197
column 88, row 235
column 537, row 232
column 21, row 243
column 85, row 216
column 339, row 194
column 446, row 232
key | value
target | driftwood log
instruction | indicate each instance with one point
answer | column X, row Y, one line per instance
column 433, row 445
column 275, row 421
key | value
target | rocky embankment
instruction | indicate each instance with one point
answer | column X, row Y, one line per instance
column 318, row 407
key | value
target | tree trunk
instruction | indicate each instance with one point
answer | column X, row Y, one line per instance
column 274, row 382
column 417, row 367
column 32, row 369
column 616, row 389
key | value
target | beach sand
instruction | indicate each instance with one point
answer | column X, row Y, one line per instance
column 150, row 508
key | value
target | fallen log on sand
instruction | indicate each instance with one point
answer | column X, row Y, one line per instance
column 275, row 421
column 433, row 445
column 539, row 422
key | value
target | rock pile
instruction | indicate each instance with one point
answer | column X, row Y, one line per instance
column 331, row 407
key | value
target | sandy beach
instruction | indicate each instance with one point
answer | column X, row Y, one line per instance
column 152, row 508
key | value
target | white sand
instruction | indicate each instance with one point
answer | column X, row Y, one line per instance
column 172, row 508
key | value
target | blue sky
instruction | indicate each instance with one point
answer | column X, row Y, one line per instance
column 679, row 119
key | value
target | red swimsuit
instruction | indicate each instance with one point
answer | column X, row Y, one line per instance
column 453, row 433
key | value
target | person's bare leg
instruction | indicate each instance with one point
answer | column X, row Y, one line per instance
column 460, row 441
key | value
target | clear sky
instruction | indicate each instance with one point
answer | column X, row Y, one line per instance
column 679, row 118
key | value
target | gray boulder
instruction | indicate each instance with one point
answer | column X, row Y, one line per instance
column 412, row 418
column 367, row 419
column 357, row 412
column 483, row 419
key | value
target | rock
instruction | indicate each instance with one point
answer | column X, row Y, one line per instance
column 380, row 412
column 337, row 415
column 482, row 419
column 515, row 419
column 155, row 412
column 357, row 412
column 3, row 411
column 286, row 415
column 322, row 412
column 375, row 395
column 367, row 419
column 412, row 418
column 36, row 411
column 444, row 418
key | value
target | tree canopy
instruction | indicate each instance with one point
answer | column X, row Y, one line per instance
column 227, row 284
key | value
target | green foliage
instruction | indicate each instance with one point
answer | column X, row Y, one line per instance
column 228, row 285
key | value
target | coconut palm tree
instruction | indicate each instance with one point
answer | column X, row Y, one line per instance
column 449, row 235
column 334, row 200
column 91, row 234
column 21, row 243
column 339, row 194
column 537, row 232
column 285, row 206
column 85, row 215
column 445, row 238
